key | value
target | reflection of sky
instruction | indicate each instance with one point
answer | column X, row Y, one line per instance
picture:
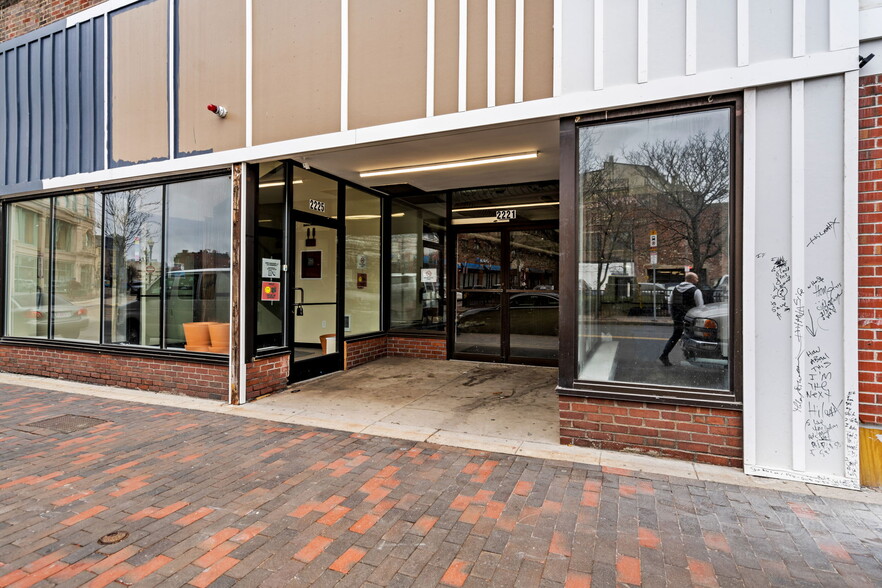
column 617, row 139
column 199, row 216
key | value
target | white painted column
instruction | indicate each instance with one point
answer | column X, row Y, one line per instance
column 797, row 252
column 748, row 307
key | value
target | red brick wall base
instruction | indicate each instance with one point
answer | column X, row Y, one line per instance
column 365, row 350
column 265, row 376
column 706, row 435
column 142, row 373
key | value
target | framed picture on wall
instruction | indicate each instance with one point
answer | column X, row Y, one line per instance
column 311, row 265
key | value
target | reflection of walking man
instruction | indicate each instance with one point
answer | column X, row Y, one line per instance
column 684, row 297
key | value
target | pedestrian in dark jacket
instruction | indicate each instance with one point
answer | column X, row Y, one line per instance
column 684, row 297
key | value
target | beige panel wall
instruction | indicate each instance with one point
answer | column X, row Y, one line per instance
column 139, row 83
column 505, row 51
column 387, row 61
column 211, row 70
column 476, row 78
column 446, row 56
column 538, row 49
column 296, row 69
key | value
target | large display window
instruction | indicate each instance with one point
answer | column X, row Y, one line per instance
column 654, row 197
column 146, row 266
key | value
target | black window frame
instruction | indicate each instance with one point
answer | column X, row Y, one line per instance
column 568, row 384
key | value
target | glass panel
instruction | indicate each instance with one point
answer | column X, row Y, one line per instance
column 417, row 284
column 533, row 202
column 314, row 299
column 77, row 302
column 197, row 265
column 534, row 258
column 363, row 277
column 478, row 261
column 270, row 243
column 478, row 323
column 314, row 193
column 27, row 312
column 533, row 318
column 654, row 262
column 132, row 266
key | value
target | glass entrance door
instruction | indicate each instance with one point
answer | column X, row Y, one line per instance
column 316, row 345
column 506, row 295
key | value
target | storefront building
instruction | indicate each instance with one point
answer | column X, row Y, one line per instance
column 220, row 198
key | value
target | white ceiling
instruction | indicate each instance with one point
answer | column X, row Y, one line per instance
column 534, row 136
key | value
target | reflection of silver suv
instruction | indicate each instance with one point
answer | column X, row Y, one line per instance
column 706, row 335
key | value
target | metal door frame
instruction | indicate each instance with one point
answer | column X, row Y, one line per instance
column 504, row 229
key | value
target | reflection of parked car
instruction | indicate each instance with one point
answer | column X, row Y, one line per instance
column 721, row 289
column 529, row 314
column 706, row 335
column 30, row 317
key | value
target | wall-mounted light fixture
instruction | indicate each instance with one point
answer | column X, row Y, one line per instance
column 218, row 110
column 450, row 164
column 504, row 206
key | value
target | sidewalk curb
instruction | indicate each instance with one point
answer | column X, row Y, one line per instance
column 618, row 460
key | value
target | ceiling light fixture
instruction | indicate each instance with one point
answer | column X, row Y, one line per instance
column 277, row 184
column 504, row 206
column 450, row 164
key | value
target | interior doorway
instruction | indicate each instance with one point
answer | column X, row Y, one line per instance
column 505, row 293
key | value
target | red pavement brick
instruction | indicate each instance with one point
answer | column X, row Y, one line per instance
column 48, row 559
column 702, row 573
column 578, row 580
column 523, row 488
column 109, row 576
column 337, row 513
column 349, row 558
column 716, row 541
column 194, row 516
column 216, row 553
column 834, row 549
column 249, row 533
column 628, row 570
column 363, row 524
column 140, row 572
column 206, row 577
column 647, row 538
column 112, row 560
column 39, row 575
column 83, row 515
column 559, row 544
column 313, row 549
column 218, row 538
column 456, row 573
column 424, row 524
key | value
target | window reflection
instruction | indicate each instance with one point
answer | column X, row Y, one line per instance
column 418, row 281
column 132, row 265
column 27, row 311
column 654, row 200
column 362, row 277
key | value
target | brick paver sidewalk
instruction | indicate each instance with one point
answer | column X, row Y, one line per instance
column 216, row 500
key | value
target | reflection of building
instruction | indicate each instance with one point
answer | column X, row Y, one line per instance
column 77, row 257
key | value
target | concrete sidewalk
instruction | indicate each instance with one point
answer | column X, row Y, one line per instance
column 211, row 499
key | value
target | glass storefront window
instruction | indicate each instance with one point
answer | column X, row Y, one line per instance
column 654, row 262
column 269, row 239
column 132, row 266
column 27, row 304
column 77, row 268
column 314, row 193
column 197, row 264
column 417, row 285
column 362, row 276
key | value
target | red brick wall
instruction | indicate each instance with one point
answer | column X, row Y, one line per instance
column 18, row 17
column 142, row 373
column 365, row 350
column 870, row 250
column 418, row 347
column 706, row 435
column 265, row 376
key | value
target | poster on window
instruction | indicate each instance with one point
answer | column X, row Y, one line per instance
column 270, row 292
column 311, row 265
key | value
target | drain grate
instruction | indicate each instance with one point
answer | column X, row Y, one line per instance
column 67, row 423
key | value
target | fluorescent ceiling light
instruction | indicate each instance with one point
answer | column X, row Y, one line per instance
column 368, row 216
column 504, row 206
column 450, row 164
column 277, row 184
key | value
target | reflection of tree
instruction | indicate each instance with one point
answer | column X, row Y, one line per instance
column 690, row 182
column 608, row 209
column 130, row 217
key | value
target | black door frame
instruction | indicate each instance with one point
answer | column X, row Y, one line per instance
column 505, row 229
column 306, row 369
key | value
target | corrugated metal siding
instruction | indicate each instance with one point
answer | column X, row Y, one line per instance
column 52, row 120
